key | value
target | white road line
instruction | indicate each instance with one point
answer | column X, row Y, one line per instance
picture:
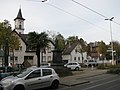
column 100, row 84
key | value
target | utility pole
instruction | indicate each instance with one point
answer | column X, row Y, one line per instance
column 111, row 40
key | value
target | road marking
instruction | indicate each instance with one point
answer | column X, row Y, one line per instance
column 103, row 78
column 100, row 84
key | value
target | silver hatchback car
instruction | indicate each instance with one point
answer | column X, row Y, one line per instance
column 30, row 79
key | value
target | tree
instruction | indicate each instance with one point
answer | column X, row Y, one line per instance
column 83, row 47
column 8, row 41
column 61, row 42
column 57, row 36
column 116, row 48
column 37, row 42
column 71, row 39
column 102, row 49
column 14, row 44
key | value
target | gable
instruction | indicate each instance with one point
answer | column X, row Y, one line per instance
column 70, row 48
column 21, row 36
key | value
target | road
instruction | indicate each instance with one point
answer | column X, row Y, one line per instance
column 101, row 82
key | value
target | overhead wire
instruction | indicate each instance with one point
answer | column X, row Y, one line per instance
column 69, row 14
column 93, row 11
column 76, row 15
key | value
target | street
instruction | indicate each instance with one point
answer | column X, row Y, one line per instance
column 100, row 82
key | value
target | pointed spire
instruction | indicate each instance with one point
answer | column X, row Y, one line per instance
column 19, row 16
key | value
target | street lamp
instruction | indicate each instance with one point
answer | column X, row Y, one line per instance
column 111, row 39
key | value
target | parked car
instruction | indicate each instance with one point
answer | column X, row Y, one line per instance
column 45, row 65
column 3, row 75
column 90, row 63
column 73, row 65
column 30, row 79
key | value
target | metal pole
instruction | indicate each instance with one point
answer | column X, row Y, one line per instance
column 111, row 43
column 111, row 39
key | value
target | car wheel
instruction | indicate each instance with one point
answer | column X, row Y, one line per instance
column 19, row 87
column 77, row 68
column 55, row 84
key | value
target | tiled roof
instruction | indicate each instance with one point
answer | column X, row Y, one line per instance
column 70, row 48
column 23, row 37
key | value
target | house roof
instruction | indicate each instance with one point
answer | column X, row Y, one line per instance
column 22, row 36
column 19, row 16
column 69, row 48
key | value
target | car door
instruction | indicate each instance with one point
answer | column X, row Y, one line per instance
column 46, row 77
column 33, row 80
column 69, row 65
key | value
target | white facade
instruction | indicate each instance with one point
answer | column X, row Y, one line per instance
column 19, row 26
column 22, row 54
column 75, row 56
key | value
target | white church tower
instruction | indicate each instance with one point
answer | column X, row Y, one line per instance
column 19, row 23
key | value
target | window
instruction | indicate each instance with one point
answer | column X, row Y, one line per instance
column 19, row 32
column 20, row 26
column 46, row 72
column 49, row 58
column 49, row 49
column 16, row 58
column 11, row 58
column 28, row 57
column 74, row 63
column 75, row 50
column 74, row 58
column 21, row 48
column 78, row 58
column 34, row 74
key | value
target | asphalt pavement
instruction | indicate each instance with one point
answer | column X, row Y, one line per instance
column 78, row 77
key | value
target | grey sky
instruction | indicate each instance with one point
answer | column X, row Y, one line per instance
column 41, row 17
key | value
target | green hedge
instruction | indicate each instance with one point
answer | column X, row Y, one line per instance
column 114, row 69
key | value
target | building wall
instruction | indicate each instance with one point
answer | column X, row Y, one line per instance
column 75, row 56
column 21, row 53
column 19, row 26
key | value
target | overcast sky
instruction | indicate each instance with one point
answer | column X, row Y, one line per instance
column 66, row 17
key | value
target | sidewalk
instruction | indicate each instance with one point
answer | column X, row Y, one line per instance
column 78, row 77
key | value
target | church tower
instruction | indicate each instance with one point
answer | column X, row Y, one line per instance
column 19, row 23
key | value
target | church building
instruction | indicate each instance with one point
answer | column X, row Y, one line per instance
column 22, row 54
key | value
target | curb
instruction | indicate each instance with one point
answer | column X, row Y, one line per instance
column 69, row 85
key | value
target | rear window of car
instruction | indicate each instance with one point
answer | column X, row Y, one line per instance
column 74, row 63
column 46, row 72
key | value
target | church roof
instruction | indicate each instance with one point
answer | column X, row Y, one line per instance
column 19, row 16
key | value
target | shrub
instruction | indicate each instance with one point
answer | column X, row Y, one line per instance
column 115, row 66
column 102, row 66
column 114, row 71
column 61, row 71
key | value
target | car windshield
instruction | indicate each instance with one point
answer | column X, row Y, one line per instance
column 24, row 73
